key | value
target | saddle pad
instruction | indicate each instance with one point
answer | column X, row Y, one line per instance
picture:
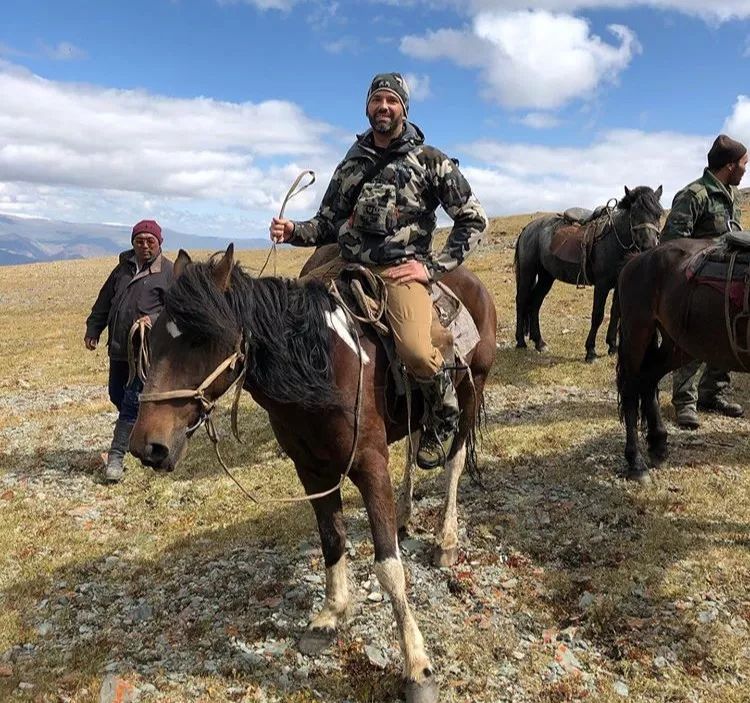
column 456, row 318
column 710, row 267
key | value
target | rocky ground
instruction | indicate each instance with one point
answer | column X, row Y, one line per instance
column 523, row 616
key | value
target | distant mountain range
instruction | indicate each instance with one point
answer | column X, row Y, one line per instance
column 24, row 240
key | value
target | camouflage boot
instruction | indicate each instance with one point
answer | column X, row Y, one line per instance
column 117, row 451
column 439, row 429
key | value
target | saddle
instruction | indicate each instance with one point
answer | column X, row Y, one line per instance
column 453, row 329
column 725, row 267
column 573, row 238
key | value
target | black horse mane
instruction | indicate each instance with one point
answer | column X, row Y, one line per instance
column 283, row 323
column 644, row 198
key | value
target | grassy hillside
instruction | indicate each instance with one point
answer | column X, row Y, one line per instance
column 573, row 584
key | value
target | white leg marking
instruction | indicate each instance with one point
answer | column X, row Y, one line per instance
column 173, row 329
column 453, row 469
column 406, row 490
column 337, row 597
column 390, row 573
column 338, row 323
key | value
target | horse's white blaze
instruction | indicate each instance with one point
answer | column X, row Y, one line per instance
column 337, row 597
column 173, row 329
column 390, row 573
column 453, row 469
column 338, row 323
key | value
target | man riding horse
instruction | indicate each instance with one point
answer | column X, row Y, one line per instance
column 707, row 208
column 380, row 208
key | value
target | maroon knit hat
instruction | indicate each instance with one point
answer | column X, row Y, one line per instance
column 147, row 227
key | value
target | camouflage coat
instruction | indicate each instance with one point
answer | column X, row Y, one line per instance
column 393, row 219
column 702, row 209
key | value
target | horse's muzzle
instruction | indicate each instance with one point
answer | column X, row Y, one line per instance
column 157, row 456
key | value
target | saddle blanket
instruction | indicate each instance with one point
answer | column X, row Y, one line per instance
column 710, row 267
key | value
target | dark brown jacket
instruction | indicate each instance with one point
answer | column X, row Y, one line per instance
column 126, row 296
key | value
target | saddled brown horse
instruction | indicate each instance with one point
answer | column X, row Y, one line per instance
column 302, row 366
column 666, row 320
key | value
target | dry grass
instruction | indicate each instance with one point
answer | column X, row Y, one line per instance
column 552, row 447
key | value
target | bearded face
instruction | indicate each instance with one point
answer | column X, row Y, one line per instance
column 385, row 113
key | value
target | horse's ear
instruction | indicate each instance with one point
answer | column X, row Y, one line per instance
column 223, row 270
column 658, row 193
column 627, row 191
column 182, row 260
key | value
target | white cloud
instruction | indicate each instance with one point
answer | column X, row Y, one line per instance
column 64, row 51
column 517, row 178
column 419, row 86
column 343, row 45
column 284, row 5
column 539, row 120
column 567, row 61
column 66, row 134
column 713, row 11
column 737, row 125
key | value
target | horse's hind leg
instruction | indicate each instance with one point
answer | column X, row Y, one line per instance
column 406, row 490
column 374, row 483
column 543, row 284
column 614, row 318
column 597, row 315
column 655, row 364
column 525, row 278
column 446, row 551
column 322, row 629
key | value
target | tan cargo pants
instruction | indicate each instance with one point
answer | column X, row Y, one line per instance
column 409, row 313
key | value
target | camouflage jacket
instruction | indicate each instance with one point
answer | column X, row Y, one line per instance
column 702, row 209
column 393, row 219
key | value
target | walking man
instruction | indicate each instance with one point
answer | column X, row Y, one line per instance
column 134, row 291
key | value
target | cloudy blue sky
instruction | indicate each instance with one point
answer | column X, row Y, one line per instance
column 201, row 112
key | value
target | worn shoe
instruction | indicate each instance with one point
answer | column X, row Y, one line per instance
column 120, row 439
column 433, row 450
column 721, row 406
column 687, row 418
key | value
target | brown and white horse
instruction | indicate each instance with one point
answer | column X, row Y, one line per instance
column 301, row 364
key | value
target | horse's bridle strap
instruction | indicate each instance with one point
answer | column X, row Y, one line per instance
column 198, row 393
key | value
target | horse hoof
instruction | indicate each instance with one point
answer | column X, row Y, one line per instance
column 445, row 557
column 403, row 533
column 425, row 692
column 642, row 477
column 591, row 357
column 520, row 345
column 542, row 348
column 315, row 640
column 612, row 350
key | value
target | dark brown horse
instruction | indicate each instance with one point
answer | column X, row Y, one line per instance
column 666, row 321
column 302, row 367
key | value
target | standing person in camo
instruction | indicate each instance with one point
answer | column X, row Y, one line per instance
column 706, row 208
column 133, row 292
column 380, row 207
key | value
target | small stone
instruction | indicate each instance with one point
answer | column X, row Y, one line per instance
column 660, row 662
column 621, row 689
column 586, row 600
column 44, row 628
column 6, row 670
column 116, row 690
column 707, row 616
column 375, row 656
column 25, row 686
column 375, row 597
column 510, row 583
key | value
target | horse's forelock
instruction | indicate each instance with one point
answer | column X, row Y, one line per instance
column 642, row 197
